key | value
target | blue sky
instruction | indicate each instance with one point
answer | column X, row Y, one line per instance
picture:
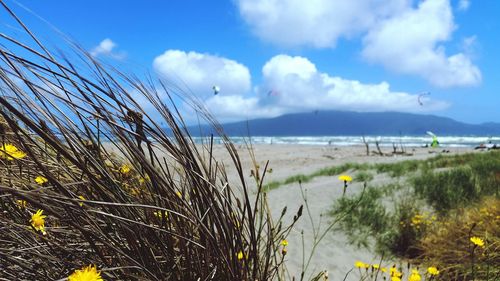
column 271, row 57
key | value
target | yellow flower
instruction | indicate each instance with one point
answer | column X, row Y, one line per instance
column 41, row 180
column 395, row 273
column 383, row 269
column 415, row 276
column 88, row 273
column 160, row 214
column 81, row 198
column 360, row 264
column 179, row 194
column 284, row 242
column 144, row 179
column 345, row 178
column 477, row 241
column 375, row 266
column 284, row 251
column 417, row 219
column 433, row 270
column 125, row 169
column 21, row 204
column 9, row 152
column 38, row 221
column 240, row 255
column 395, row 278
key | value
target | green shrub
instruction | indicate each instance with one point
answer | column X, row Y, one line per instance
column 366, row 216
column 448, row 189
column 403, row 232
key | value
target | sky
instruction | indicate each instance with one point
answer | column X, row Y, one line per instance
column 272, row 57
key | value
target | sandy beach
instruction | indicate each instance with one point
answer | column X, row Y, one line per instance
column 334, row 252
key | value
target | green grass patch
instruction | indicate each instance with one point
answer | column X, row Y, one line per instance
column 363, row 176
column 484, row 163
column 400, row 168
column 362, row 216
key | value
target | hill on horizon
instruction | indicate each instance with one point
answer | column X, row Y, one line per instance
column 323, row 123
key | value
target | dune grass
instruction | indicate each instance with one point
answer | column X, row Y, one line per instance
column 329, row 171
column 89, row 177
column 446, row 201
column 396, row 169
column 447, row 243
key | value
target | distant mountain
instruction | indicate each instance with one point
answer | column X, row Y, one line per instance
column 323, row 123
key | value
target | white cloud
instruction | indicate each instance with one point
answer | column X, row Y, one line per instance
column 200, row 72
column 409, row 43
column 402, row 37
column 293, row 84
column 317, row 23
column 300, row 85
column 106, row 48
column 463, row 5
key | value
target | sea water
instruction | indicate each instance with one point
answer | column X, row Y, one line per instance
column 409, row 141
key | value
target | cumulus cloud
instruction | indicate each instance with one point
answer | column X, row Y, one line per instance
column 200, row 72
column 318, row 23
column 106, row 48
column 293, row 84
column 463, row 5
column 402, row 37
column 289, row 84
column 301, row 85
column 408, row 43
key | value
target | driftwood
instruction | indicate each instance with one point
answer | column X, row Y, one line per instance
column 367, row 146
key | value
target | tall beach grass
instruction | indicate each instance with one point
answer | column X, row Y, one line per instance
column 115, row 189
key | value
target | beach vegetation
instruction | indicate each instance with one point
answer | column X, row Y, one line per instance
column 484, row 164
column 88, row 273
column 125, row 189
column 363, row 176
column 444, row 216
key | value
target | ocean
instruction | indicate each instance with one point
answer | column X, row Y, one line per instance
column 384, row 141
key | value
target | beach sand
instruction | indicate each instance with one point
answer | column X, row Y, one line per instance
column 334, row 252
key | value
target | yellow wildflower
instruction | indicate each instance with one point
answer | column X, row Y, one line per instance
column 345, row 178
column 160, row 214
column 477, row 241
column 125, row 169
column 179, row 194
column 394, row 272
column 10, row 152
column 432, row 270
column 41, row 180
column 415, row 276
column 284, row 242
column 38, row 221
column 360, row 264
column 375, row 266
column 395, row 278
column 417, row 219
column 240, row 255
column 21, row 203
column 144, row 179
column 81, row 198
column 88, row 273
column 383, row 269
